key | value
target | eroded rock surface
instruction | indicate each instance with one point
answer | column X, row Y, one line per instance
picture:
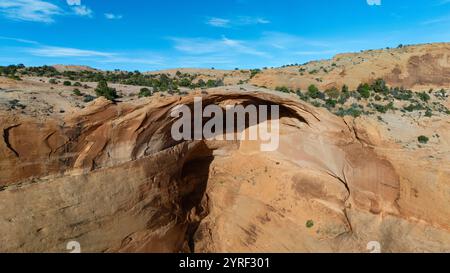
column 112, row 178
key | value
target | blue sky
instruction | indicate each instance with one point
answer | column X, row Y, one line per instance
column 150, row 35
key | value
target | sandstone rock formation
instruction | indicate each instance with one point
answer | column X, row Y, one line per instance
column 418, row 67
column 112, row 178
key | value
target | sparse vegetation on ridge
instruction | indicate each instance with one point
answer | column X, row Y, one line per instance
column 386, row 98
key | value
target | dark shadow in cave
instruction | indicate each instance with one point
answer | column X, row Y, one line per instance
column 193, row 183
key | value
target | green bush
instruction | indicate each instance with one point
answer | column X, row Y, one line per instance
column 353, row 111
column 316, row 104
column 253, row 72
column 313, row 92
column 423, row 139
column 185, row 82
column 88, row 98
column 383, row 108
column 309, row 223
column 67, row 83
column 145, row 92
column 15, row 104
column 330, row 103
column 401, row 94
column 283, row 89
column 424, row 96
column 301, row 95
column 344, row 89
column 332, row 93
column 364, row 90
column 103, row 90
column 413, row 107
column 379, row 86
column 77, row 84
column 77, row 92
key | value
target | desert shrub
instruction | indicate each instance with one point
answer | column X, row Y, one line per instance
column 332, row 93
column 15, row 103
column 53, row 81
column 88, row 98
column 103, row 90
column 283, row 89
column 302, row 96
column 145, row 92
column 313, row 92
column 441, row 94
column 401, row 94
column 309, row 223
column 423, row 139
column 379, row 86
column 364, row 90
column 344, row 89
column 316, row 103
column 353, row 111
column 383, row 108
column 185, row 82
column 254, row 72
column 214, row 83
column 330, row 103
column 414, row 107
column 67, row 83
column 77, row 84
column 423, row 96
column 77, row 92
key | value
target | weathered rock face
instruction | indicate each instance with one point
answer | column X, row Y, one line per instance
column 112, row 178
column 418, row 67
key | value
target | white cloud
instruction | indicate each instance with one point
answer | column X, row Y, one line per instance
column 237, row 21
column 218, row 22
column 82, row 11
column 374, row 2
column 53, row 51
column 79, row 9
column 111, row 16
column 40, row 10
column 245, row 20
column 199, row 46
column 25, row 41
column 30, row 10
column 74, row 2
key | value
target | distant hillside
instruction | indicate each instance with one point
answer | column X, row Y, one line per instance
column 74, row 68
column 415, row 67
